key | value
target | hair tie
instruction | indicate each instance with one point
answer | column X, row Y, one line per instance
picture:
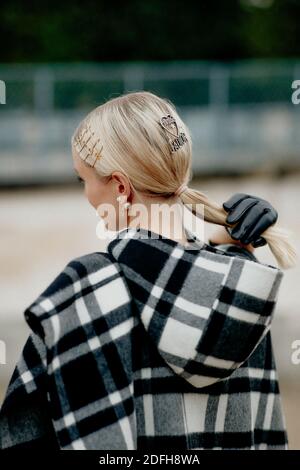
column 181, row 189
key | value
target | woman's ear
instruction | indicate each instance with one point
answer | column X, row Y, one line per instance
column 122, row 184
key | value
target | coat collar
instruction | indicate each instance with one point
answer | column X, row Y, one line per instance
column 130, row 233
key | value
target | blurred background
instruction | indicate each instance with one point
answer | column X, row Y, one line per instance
column 227, row 66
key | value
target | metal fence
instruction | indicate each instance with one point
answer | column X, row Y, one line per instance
column 241, row 114
column 71, row 86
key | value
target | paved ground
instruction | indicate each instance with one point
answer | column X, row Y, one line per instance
column 41, row 230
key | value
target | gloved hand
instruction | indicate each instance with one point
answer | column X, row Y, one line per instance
column 252, row 216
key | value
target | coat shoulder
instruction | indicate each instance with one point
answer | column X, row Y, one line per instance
column 78, row 277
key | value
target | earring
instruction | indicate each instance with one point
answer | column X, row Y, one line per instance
column 125, row 204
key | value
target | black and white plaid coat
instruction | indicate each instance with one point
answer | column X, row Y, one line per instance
column 150, row 346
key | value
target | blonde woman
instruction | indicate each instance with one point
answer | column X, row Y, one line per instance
column 163, row 341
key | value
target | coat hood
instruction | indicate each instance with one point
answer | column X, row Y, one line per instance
column 205, row 308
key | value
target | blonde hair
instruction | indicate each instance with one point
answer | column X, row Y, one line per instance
column 123, row 134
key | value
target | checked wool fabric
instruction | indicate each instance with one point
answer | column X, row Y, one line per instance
column 151, row 345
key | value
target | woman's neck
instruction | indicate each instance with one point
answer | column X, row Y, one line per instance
column 165, row 218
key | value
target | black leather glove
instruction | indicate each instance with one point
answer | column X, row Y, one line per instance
column 252, row 216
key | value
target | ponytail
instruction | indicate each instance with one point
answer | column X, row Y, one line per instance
column 277, row 238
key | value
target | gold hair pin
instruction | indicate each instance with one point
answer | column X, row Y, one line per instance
column 170, row 125
column 82, row 141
